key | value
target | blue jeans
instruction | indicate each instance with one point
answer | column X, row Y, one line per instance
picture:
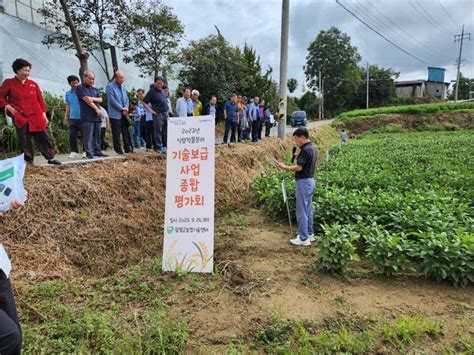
column 304, row 207
column 137, row 137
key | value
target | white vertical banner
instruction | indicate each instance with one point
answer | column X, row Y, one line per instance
column 190, row 180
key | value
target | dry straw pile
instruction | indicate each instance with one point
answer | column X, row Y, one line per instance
column 94, row 219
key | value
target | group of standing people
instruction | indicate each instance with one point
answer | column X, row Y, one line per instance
column 246, row 119
column 149, row 115
column 86, row 115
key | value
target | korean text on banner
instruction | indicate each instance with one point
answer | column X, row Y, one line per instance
column 189, row 215
column 12, row 172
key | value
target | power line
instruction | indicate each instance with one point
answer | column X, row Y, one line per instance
column 447, row 14
column 431, row 17
column 407, row 35
column 428, row 18
column 396, row 38
column 381, row 35
column 380, row 25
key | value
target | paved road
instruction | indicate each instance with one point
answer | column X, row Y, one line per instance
column 311, row 125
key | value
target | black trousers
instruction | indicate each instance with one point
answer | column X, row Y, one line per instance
column 232, row 127
column 10, row 330
column 268, row 127
column 255, row 125
column 150, row 135
column 164, row 133
column 41, row 139
column 239, row 131
column 260, row 127
column 121, row 128
column 74, row 132
column 103, row 143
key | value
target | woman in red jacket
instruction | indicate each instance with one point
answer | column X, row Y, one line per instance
column 24, row 102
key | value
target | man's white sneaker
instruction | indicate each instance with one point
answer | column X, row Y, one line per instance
column 298, row 241
column 84, row 155
column 73, row 155
column 311, row 237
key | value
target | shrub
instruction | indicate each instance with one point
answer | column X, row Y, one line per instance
column 446, row 257
column 389, row 253
column 416, row 188
column 336, row 248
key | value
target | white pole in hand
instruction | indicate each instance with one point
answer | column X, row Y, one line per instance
column 285, row 198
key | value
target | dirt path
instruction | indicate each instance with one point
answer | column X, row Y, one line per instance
column 286, row 287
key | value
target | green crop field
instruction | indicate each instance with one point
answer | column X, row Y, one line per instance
column 407, row 109
column 404, row 202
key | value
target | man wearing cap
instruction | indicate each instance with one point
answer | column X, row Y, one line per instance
column 156, row 97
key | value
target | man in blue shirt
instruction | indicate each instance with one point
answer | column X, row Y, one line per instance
column 184, row 105
column 231, row 115
column 156, row 97
column 72, row 116
column 143, row 115
column 89, row 102
column 253, row 115
column 117, row 100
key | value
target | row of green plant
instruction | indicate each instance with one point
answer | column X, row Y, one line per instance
column 348, row 332
column 407, row 109
column 402, row 201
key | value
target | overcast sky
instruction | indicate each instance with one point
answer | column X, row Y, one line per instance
column 424, row 28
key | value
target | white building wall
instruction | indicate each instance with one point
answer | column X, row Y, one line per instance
column 21, row 36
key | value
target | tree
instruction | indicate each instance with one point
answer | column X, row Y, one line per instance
column 465, row 86
column 150, row 35
column 209, row 65
column 80, row 54
column 214, row 67
column 292, row 85
column 309, row 102
column 381, row 87
column 92, row 22
column 250, row 80
column 332, row 54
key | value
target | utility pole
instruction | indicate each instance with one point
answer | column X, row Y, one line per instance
column 367, row 98
column 285, row 19
column 460, row 38
column 320, row 99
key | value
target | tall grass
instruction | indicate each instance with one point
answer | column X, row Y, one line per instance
column 406, row 109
